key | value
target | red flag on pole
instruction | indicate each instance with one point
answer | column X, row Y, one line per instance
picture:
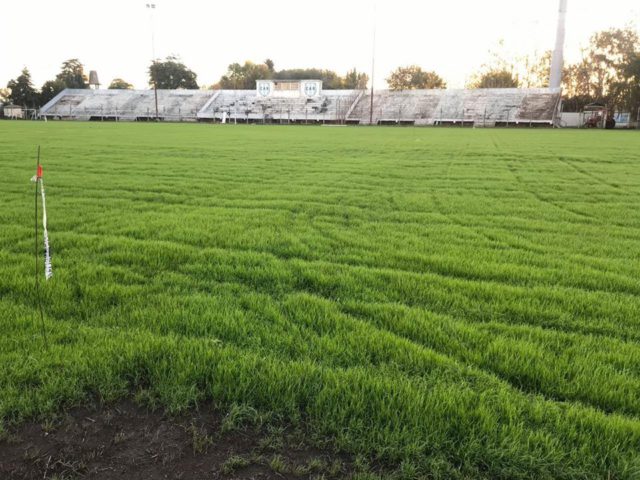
column 48, row 272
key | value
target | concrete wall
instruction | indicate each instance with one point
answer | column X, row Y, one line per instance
column 571, row 119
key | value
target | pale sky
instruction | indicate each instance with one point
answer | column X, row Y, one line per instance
column 452, row 37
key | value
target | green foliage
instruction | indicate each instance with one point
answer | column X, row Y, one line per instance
column 603, row 73
column 336, row 468
column 72, row 74
column 629, row 86
column 501, row 71
column 233, row 463
column 504, row 70
column 172, row 74
column 536, row 70
column 632, row 69
column 355, row 80
column 413, row 77
column 21, row 90
column 316, row 464
column 442, row 303
column 279, row 464
column 119, row 84
column 271, row 66
column 240, row 416
column 50, row 89
column 496, row 79
column 200, row 440
column 330, row 79
column 243, row 77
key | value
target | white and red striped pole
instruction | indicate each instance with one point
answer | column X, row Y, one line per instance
column 48, row 272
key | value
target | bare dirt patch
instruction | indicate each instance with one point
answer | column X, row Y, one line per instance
column 127, row 441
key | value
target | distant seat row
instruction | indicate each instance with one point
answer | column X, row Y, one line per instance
column 482, row 107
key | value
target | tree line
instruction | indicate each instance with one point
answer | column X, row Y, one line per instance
column 607, row 73
column 171, row 74
column 20, row 91
column 243, row 77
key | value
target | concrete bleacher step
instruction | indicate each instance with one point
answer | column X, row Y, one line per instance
column 424, row 107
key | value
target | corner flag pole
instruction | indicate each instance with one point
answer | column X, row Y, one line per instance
column 38, row 179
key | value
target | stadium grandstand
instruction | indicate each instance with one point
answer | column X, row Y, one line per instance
column 304, row 101
column 88, row 104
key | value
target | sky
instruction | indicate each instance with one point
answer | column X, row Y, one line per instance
column 451, row 37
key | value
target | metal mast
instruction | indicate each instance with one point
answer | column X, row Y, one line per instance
column 151, row 7
column 373, row 61
column 557, row 62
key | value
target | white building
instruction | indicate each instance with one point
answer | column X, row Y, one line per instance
column 13, row 111
column 289, row 88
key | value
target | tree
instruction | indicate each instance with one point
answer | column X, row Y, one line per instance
column 413, row 77
column 22, row 91
column 632, row 70
column 4, row 95
column 119, row 84
column 617, row 52
column 330, row 79
column 536, row 70
column 243, row 77
column 501, row 71
column 270, row 65
column 355, row 80
column 496, row 79
column 602, row 75
column 172, row 74
column 72, row 74
column 50, row 89
column 630, row 85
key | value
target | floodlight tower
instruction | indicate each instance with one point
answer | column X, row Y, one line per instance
column 557, row 62
column 373, row 61
column 152, row 7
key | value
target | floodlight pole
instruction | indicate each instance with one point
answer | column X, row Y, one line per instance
column 235, row 101
column 557, row 60
column 151, row 7
column 373, row 64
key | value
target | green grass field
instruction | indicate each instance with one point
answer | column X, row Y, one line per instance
column 453, row 303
